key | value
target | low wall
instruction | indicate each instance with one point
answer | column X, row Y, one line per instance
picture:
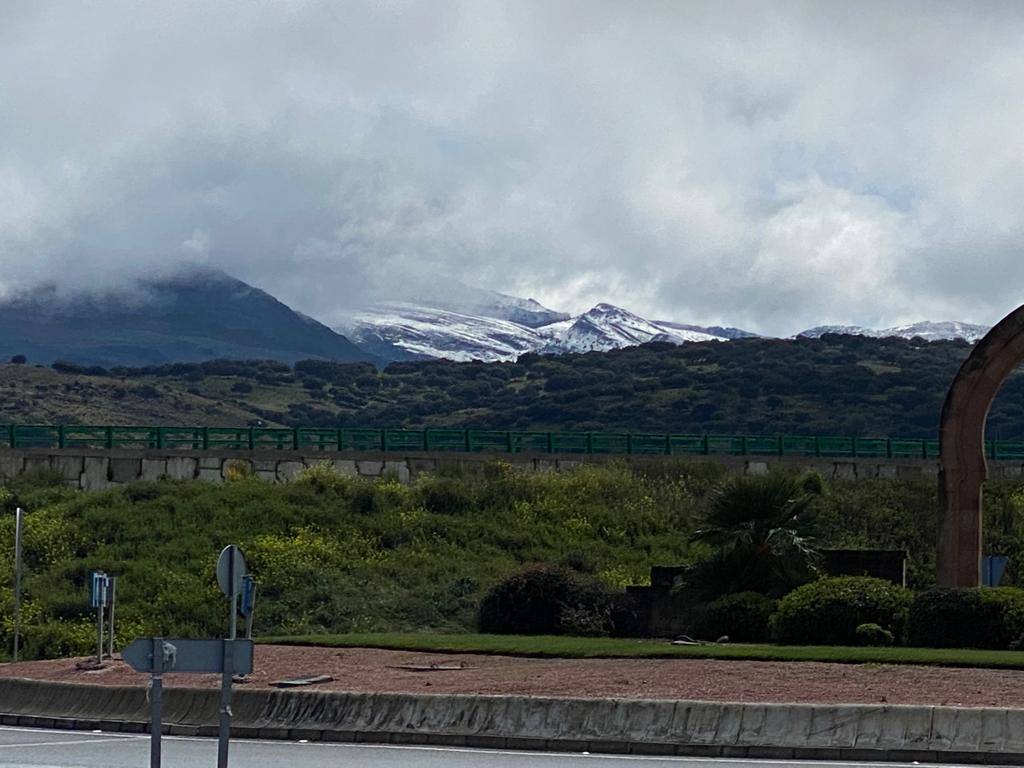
column 91, row 469
column 781, row 731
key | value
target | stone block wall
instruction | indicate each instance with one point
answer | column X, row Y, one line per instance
column 92, row 469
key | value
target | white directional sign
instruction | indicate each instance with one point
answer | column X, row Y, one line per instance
column 181, row 655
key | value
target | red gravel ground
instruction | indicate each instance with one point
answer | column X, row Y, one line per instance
column 364, row 669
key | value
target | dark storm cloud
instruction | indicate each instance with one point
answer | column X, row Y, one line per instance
column 768, row 165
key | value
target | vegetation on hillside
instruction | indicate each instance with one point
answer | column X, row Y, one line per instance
column 836, row 385
column 339, row 554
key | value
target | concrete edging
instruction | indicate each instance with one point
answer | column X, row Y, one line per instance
column 639, row 726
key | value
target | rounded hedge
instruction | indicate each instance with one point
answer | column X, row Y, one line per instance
column 978, row 617
column 872, row 634
column 743, row 616
column 828, row 611
column 546, row 600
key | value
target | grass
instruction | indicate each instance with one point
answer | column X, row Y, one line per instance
column 604, row 647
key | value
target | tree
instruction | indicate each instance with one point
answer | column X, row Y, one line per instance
column 19, row 360
column 760, row 529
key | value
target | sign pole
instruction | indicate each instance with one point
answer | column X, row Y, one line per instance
column 224, row 732
column 99, row 632
column 113, row 600
column 156, row 702
column 157, row 655
column 230, row 570
column 233, row 570
column 251, row 608
column 19, row 515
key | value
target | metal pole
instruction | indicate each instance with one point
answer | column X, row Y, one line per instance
column 19, row 514
column 113, row 600
column 234, row 593
column 224, row 732
column 252, row 610
column 156, row 702
column 99, row 628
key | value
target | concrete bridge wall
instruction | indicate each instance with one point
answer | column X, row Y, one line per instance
column 89, row 468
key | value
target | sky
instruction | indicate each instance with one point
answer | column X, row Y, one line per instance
column 768, row 165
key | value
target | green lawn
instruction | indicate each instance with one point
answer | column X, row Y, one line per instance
column 604, row 647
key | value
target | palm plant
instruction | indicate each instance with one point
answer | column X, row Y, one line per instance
column 760, row 529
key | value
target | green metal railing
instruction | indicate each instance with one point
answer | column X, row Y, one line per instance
column 475, row 441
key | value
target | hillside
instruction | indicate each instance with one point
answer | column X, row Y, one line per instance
column 842, row 385
column 329, row 552
column 196, row 315
column 337, row 554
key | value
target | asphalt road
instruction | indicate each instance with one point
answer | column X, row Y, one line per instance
column 25, row 747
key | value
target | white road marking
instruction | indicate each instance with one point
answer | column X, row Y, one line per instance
column 711, row 761
column 69, row 742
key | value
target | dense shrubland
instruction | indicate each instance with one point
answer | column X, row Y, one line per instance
column 340, row 554
column 836, row 385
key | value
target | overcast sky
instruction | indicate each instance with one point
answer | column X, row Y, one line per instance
column 771, row 165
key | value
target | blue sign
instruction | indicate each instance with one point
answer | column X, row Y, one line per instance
column 99, row 588
column 248, row 595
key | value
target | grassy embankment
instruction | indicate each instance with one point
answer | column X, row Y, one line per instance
column 605, row 647
column 335, row 555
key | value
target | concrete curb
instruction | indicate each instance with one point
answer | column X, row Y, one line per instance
column 653, row 727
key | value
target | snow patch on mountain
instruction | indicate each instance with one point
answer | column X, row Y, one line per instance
column 927, row 330
column 722, row 332
column 474, row 324
column 402, row 331
column 526, row 312
column 608, row 327
column 412, row 331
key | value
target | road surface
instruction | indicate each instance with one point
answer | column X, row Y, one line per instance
column 38, row 748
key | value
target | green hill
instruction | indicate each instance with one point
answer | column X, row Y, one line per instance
column 836, row 385
column 341, row 554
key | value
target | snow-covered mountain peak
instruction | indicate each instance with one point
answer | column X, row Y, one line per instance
column 927, row 330
column 606, row 326
column 844, row 330
column 933, row 331
column 498, row 327
column 400, row 330
column 473, row 324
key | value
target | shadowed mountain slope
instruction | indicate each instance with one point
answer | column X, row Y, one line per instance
column 193, row 316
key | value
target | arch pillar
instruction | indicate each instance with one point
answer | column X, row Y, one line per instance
column 962, row 464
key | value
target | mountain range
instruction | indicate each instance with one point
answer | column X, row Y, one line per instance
column 194, row 316
column 492, row 330
column 206, row 314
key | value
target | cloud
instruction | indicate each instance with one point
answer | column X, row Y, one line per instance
column 767, row 165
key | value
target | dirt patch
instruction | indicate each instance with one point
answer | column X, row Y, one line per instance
column 370, row 670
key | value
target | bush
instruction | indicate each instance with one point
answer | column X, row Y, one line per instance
column 324, row 477
column 58, row 639
column 743, row 616
column 828, row 611
column 872, row 634
column 980, row 617
column 445, row 495
column 239, row 470
column 546, row 600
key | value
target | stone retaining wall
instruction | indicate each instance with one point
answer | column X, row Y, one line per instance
column 91, row 469
column 780, row 731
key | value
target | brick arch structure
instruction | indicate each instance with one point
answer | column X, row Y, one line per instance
column 963, row 468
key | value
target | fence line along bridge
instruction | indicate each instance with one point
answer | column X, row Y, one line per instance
column 359, row 440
